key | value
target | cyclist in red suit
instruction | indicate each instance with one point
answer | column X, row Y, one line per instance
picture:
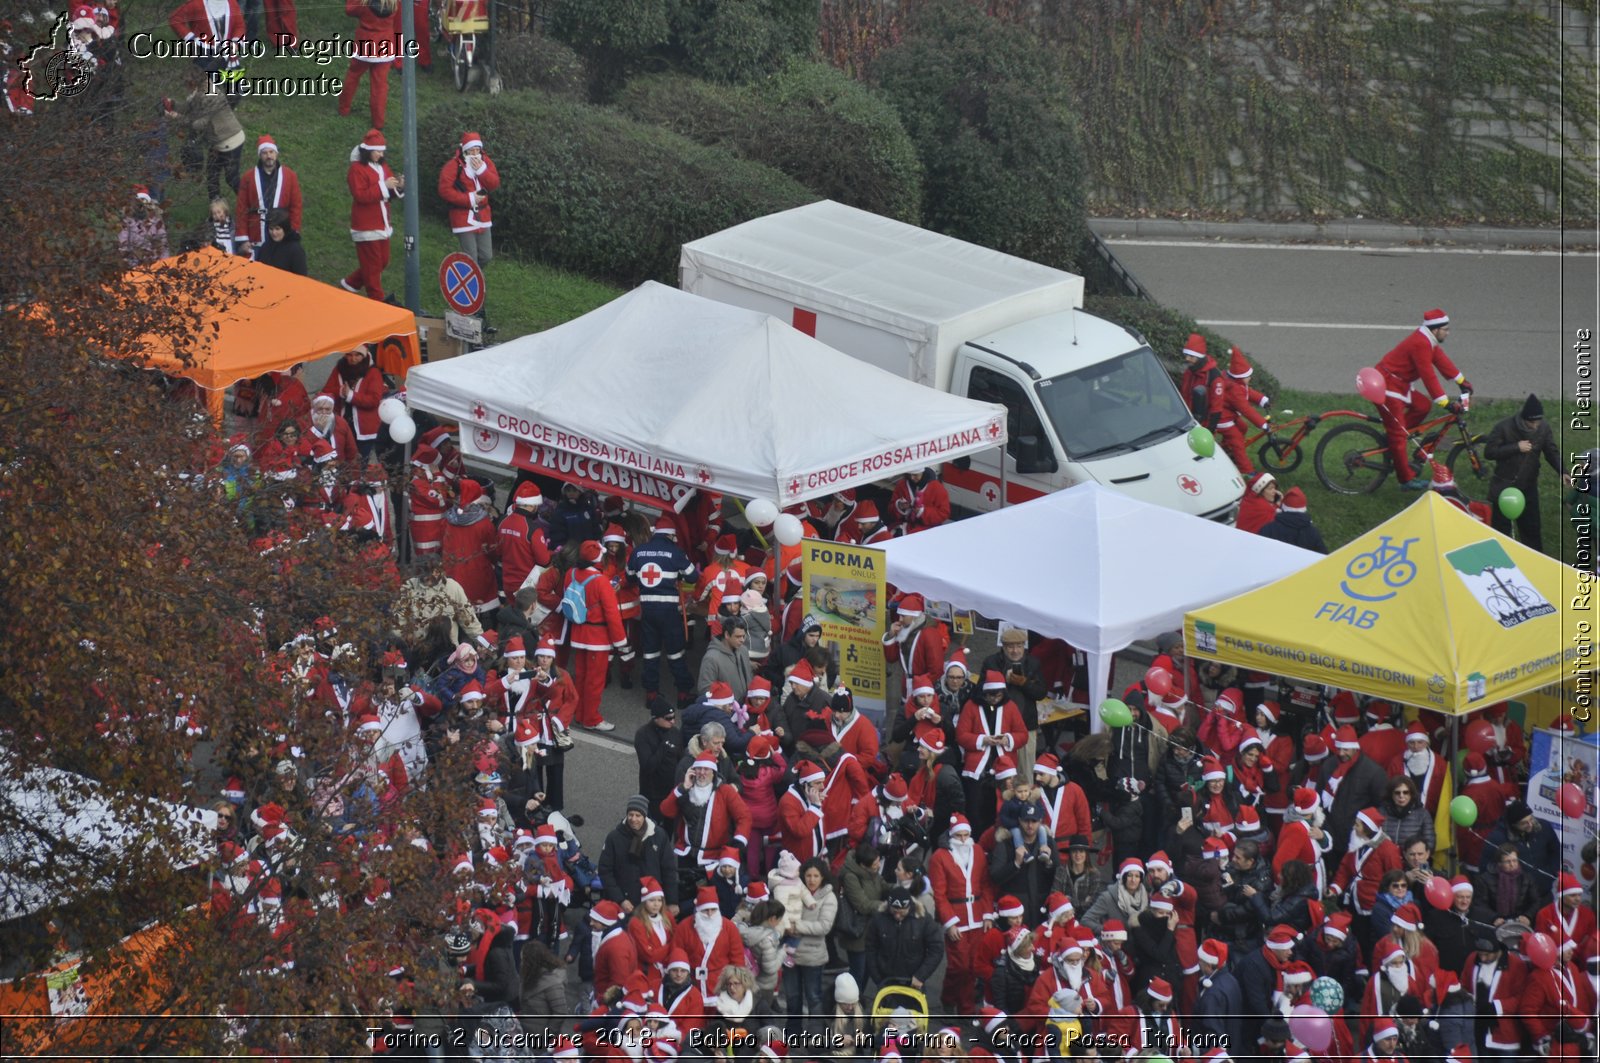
column 1243, row 402
column 1413, row 360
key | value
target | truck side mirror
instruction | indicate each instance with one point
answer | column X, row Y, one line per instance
column 1033, row 456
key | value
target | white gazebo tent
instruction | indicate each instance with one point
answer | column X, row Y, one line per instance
column 1090, row 566
column 662, row 387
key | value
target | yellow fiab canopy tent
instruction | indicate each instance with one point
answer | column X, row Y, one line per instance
column 1430, row 608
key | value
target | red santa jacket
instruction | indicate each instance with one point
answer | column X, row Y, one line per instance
column 922, row 652
column 962, row 897
column 1295, row 843
column 341, row 437
column 1255, row 513
column 615, row 568
column 652, row 940
column 615, row 961
column 250, row 213
column 1432, row 780
column 1205, row 389
column 364, row 398
column 687, row 1010
column 191, row 22
column 847, row 786
column 800, row 826
column 369, row 200
column 1365, row 868
column 1413, row 360
column 372, row 512
column 375, row 34
column 1383, row 743
column 602, row 629
column 523, row 548
column 727, row 821
column 1240, row 404
column 428, row 504
column 470, row 547
column 1503, row 997
column 921, row 508
column 978, row 720
column 1066, row 809
column 1576, row 927
column 859, row 737
column 707, row 961
column 1561, row 994
column 456, row 186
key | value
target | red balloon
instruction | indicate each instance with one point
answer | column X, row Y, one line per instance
column 1158, row 681
column 1479, row 736
column 1540, row 950
column 1370, row 385
column 1570, row 797
column 1439, row 892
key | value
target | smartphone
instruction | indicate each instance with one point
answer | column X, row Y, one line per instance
column 1186, row 817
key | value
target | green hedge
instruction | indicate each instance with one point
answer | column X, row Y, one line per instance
column 833, row 135
column 982, row 100
column 587, row 189
column 736, row 42
column 539, row 61
column 1166, row 330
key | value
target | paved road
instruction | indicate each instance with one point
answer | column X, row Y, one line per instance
column 1317, row 314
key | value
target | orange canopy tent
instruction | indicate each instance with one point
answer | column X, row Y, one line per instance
column 283, row 319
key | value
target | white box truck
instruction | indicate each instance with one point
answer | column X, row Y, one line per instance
column 1088, row 400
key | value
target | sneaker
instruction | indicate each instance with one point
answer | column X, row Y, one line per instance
column 603, row 725
column 346, row 286
column 1416, row 483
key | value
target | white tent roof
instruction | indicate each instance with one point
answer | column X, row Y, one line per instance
column 1088, row 565
column 714, row 396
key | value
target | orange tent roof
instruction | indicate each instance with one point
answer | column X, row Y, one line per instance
column 282, row 320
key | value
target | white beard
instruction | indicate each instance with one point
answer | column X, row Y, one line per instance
column 700, row 795
column 1417, row 763
column 1358, row 842
column 1399, row 978
column 237, row 884
column 708, row 926
column 961, row 849
column 893, row 813
column 1315, row 817
column 1074, row 973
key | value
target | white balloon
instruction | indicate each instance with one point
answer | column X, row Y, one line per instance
column 761, row 512
column 391, row 410
column 403, row 429
column 788, row 529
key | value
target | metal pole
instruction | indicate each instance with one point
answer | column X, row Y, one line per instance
column 1003, row 476
column 413, row 210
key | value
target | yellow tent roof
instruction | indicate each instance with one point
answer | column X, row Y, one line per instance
column 1430, row 608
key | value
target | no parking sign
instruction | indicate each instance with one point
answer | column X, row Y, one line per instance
column 461, row 282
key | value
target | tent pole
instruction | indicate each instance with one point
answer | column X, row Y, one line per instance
column 1002, row 477
column 1455, row 776
column 405, row 503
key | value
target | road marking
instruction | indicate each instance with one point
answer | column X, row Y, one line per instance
column 1298, row 324
column 589, row 738
column 1245, row 245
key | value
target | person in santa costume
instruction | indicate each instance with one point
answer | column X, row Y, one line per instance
column 1371, row 855
column 373, row 186
column 356, row 385
column 1567, row 918
column 595, row 635
column 1558, row 1002
column 651, row 929
column 615, row 957
column 269, row 185
column 1495, row 978
column 1350, row 782
column 547, row 701
column 524, row 543
column 1413, row 360
column 1242, row 403
column 329, row 438
column 1490, row 798
column 852, row 732
column 1158, row 1029
column 1302, row 837
column 367, row 506
column 470, row 547
column 800, row 813
column 964, row 901
column 1066, row 807
column 465, row 182
column 1510, row 750
column 987, row 729
column 709, row 941
column 1394, row 975
column 216, row 26
column 916, row 641
column 679, row 996
column 934, row 789
column 377, row 34
column 1218, row 1013
column 429, row 496
column 921, row 501
column 707, row 816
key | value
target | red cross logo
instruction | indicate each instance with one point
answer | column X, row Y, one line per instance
column 1190, row 485
column 485, row 439
column 651, row 575
column 794, row 487
column 702, row 474
column 991, row 492
column 994, row 429
column 479, row 413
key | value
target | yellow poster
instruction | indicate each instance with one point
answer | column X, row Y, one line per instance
column 845, row 593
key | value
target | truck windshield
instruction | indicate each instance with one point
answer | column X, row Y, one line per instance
column 1115, row 406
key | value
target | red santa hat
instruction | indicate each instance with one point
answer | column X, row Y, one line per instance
column 1298, row 973
column 1384, row 1029
column 1160, row 859
column 233, row 789
column 1213, row 952
column 488, row 808
column 725, row 546
column 803, row 675
column 1161, row 903
column 1269, row 709
column 1194, row 346
column 959, row 823
column 922, row 684
column 522, row 840
column 705, row 759
column 729, row 857
column 497, row 856
column 590, row 552
column 271, row 892
column 1345, row 738
column 1211, row 769
column 1473, row 765
column 606, row 913
column 1337, row 926
column 566, row 1045
column 369, row 724
column 756, row 891
column 912, row 605
column 1248, row 820
column 1282, row 938
column 1294, row 501
column 546, row 648
column 1160, row 989
column 1217, row 1055
column 470, row 139
column 665, row 525
column 1407, row 917
column 1305, row 800
column 649, row 887
column 776, row 1051
column 958, row 662
column 991, row 1018
column 806, row 772
column 1009, row 907
column 267, row 815
column 993, row 680
column 895, row 788
column 866, row 512
column 1385, row 950
column 527, row 494
column 1238, row 365
column 1005, row 766
column 471, row 690
column 1316, row 748
column 719, row 694
column 1344, row 707
column 1229, row 702
column 1441, row 478
column 1113, row 930
column 760, row 747
column 142, row 194
column 1213, row 849
column 1435, row 317
column 1566, row 883
column 1132, row 863
column 1251, row 738
column 760, row 690
column 706, row 898
column 462, row 864
column 373, row 141
column 930, row 738
column 231, row 853
column 1372, row 818
column 1047, row 764
column 514, row 647
column 1461, row 884
column 545, row 835
column 678, row 958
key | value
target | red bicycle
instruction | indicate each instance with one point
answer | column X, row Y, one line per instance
column 1280, row 451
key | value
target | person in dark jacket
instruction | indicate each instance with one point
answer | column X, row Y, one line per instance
column 1246, row 878
column 1153, row 945
column 904, row 947
column 488, row 965
column 1028, row 871
column 1362, row 784
column 1024, row 686
column 1536, row 841
column 1219, row 1003
column 282, row 248
column 1452, row 929
column 1505, row 893
column 636, row 849
column 1014, row 973
column 1290, row 901
column 1293, row 525
column 658, row 745
column 1515, row 445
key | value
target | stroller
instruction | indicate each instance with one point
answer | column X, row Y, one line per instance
column 899, row 1011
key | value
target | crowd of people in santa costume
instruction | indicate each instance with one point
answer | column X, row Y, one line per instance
column 1248, row 869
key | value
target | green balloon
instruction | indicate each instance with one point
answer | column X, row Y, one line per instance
column 1512, row 503
column 1201, row 441
column 1115, row 713
column 1464, row 810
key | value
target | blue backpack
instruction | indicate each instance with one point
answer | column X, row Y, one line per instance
column 574, row 604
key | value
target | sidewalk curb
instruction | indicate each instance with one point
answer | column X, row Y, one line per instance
column 1344, row 231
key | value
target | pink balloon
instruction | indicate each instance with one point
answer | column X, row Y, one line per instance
column 1158, row 681
column 1540, row 950
column 1371, row 386
column 1439, row 893
column 1311, row 1026
column 1570, row 797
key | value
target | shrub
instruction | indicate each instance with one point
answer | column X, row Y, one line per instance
column 1000, row 151
column 741, row 41
column 613, row 36
column 1166, row 330
column 839, row 138
column 591, row 190
column 539, row 61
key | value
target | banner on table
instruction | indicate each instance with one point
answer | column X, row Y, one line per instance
column 845, row 592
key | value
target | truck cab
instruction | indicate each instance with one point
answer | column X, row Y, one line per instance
column 1077, row 414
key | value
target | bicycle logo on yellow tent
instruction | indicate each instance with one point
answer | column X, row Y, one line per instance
column 1386, row 564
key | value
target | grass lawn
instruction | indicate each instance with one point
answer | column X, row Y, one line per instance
column 1343, row 517
column 524, row 295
